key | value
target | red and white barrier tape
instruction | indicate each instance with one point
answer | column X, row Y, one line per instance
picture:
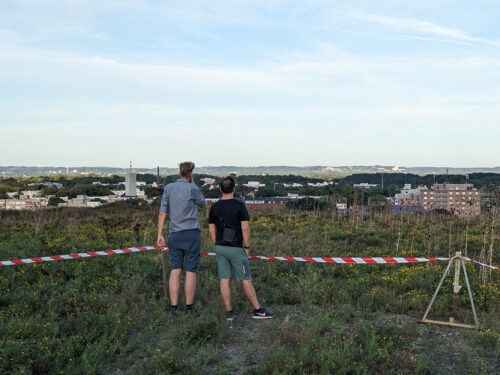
column 352, row 260
column 356, row 260
column 482, row 264
column 77, row 255
column 342, row 260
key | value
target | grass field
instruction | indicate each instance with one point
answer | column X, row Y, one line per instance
column 107, row 315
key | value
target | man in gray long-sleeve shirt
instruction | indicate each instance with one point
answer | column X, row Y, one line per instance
column 181, row 200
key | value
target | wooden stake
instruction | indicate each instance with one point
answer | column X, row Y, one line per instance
column 453, row 324
column 164, row 268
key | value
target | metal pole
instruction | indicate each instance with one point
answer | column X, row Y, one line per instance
column 456, row 288
column 437, row 289
column 456, row 281
column 470, row 293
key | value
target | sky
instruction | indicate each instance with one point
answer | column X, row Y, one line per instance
column 249, row 83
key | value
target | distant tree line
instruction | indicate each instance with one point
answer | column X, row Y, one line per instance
column 274, row 185
column 480, row 180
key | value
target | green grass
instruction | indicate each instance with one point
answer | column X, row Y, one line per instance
column 108, row 315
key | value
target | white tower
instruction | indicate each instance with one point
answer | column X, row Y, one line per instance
column 130, row 183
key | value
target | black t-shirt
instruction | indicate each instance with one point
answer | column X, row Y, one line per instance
column 230, row 213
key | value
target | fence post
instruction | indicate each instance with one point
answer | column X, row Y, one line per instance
column 165, row 289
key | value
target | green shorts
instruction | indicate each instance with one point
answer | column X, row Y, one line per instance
column 232, row 262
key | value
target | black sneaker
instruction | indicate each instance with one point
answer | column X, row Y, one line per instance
column 262, row 313
column 189, row 309
column 173, row 310
column 230, row 315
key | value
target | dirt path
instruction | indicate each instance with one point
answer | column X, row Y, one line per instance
column 443, row 350
column 245, row 342
column 449, row 352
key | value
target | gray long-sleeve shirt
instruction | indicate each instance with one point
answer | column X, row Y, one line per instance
column 181, row 200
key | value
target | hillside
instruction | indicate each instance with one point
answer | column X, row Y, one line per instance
column 107, row 315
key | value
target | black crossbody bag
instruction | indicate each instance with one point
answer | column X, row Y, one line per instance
column 229, row 235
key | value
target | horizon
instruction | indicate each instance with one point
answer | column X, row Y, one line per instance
column 127, row 166
column 259, row 83
column 393, row 167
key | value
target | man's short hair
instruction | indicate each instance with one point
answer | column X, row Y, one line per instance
column 227, row 185
column 186, row 168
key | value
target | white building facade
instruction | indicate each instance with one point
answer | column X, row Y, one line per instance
column 131, row 184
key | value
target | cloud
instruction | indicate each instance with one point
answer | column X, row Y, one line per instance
column 292, row 83
column 326, row 78
column 423, row 27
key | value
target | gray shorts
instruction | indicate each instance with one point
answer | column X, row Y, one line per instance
column 184, row 250
column 232, row 262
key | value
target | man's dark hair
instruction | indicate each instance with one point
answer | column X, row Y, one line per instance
column 227, row 185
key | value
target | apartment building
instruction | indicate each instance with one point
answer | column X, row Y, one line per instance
column 22, row 204
column 409, row 197
column 460, row 199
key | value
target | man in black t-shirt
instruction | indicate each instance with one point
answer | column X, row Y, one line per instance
column 228, row 224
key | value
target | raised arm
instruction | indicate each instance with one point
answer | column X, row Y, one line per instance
column 198, row 197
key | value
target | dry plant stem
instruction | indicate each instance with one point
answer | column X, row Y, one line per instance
column 38, row 221
column 466, row 236
column 449, row 238
column 493, row 227
column 482, row 257
column 399, row 230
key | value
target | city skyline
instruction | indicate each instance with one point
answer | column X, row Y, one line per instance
column 249, row 83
